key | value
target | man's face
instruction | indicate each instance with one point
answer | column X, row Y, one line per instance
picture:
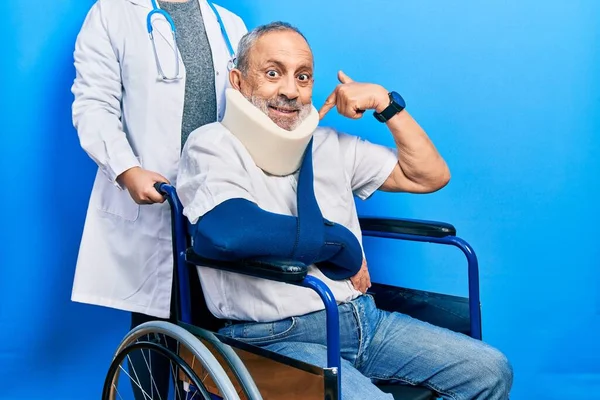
column 279, row 79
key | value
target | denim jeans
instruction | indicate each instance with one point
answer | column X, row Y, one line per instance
column 381, row 346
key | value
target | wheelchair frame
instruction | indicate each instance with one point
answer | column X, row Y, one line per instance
column 296, row 273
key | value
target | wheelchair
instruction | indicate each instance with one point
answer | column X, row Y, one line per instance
column 203, row 364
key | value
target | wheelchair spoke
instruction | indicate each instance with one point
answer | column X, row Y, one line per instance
column 193, row 395
column 137, row 383
column 117, row 390
column 197, row 393
column 150, row 369
column 175, row 375
column 175, row 382
column 205, row 376
column 153, row 386
column 174, row 372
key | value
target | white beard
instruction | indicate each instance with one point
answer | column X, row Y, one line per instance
column 282, row 122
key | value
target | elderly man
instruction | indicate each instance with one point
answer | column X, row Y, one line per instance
column 250, row 184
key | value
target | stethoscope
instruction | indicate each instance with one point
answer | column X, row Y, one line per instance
column 156, row 10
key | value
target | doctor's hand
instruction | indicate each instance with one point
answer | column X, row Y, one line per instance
column 362, row 281
column 352, row 98
column 140, row 184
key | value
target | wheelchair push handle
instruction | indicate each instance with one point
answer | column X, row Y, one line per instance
column 170, row 194
column 159, row 186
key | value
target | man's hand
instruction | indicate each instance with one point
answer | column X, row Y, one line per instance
column 353, row 98
column 362, row 281
column 140, row 184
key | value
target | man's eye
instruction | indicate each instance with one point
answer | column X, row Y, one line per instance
column 303, row 77
column 272, row 74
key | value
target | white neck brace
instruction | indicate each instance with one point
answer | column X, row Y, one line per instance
column 273, row 149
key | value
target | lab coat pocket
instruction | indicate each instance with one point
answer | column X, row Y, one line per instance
column 114, row 201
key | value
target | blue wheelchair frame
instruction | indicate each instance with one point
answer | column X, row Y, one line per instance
column 403, row 229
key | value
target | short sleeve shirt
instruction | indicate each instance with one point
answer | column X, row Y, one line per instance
column 216, row 167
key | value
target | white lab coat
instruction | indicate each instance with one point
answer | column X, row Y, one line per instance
column 126, row 117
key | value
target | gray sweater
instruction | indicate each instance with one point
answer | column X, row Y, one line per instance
column 200, row 104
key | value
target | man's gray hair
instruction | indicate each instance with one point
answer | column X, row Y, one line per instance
column 249, row 40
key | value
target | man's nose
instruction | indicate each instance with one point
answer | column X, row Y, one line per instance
column 289, row 88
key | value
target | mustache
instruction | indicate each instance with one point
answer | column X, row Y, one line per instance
column 284, row 102
column 277, row 102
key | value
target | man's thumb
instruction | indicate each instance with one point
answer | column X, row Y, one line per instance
column 343, row 78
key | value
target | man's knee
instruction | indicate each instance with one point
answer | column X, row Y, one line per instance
column 496, row 375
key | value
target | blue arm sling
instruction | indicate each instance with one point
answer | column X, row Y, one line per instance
column 239, row 229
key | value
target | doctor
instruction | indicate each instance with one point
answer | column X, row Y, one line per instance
column 148, row 72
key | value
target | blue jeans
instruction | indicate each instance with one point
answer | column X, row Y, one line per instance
column 381, row 346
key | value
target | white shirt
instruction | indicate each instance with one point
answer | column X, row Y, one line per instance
column 215, row 167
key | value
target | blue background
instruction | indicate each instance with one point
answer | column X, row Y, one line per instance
column 507, row 90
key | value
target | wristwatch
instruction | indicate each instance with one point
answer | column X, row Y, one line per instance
column 397, row 104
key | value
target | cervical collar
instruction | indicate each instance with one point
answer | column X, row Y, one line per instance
column 273, row 149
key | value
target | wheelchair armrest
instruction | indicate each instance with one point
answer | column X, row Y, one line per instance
column 280, row 270
column 407, row 226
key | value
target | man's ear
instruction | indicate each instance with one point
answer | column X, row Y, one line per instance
column 235, row 78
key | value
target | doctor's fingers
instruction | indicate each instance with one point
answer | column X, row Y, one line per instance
column 146, row 192
column 151, row 196
column 156, row 177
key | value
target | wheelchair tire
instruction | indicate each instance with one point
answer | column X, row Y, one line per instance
column 136, row 340
column 235, row 364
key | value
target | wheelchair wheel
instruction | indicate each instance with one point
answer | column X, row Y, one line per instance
column 162, row 343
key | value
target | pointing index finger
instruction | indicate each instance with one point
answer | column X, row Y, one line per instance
column 328, row 105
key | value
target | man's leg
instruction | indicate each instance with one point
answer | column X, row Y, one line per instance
column 407, row 350
column 355, row 386
column 304, row 338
